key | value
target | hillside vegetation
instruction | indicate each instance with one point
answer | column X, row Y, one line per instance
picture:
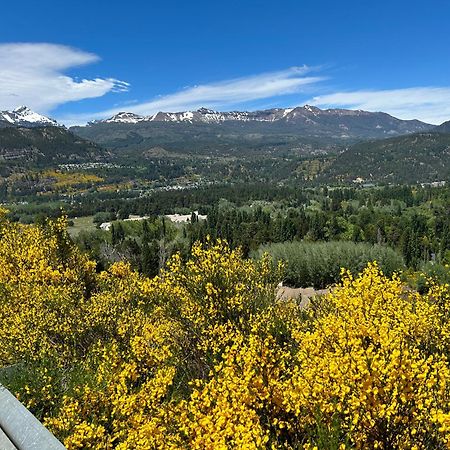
column 144, row 156
column 203, row 357
column 423, row 157
column 45, row 146
column 234, row 138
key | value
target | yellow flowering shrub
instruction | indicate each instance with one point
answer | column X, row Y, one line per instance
column 66, row 180
column 43, row 282
column 369, row 365
column 203, row 356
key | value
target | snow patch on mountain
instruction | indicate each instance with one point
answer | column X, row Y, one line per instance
column 124, row 117
column 25, row 117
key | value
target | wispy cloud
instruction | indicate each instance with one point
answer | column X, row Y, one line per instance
column 223, row 94
column 429, row 104
column 33, row 74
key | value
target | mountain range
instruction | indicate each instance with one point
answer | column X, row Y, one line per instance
column 306, row 120
column 304, row 130
column 372, row 146
column 307, row 114
column 309, row 120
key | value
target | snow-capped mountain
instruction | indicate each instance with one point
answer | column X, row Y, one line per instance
column 25, row 117
column 202, row 115
column 122, row 117
column 311, row 117
column 301, row 129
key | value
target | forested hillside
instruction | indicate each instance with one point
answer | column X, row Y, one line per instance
column 423, row 157
column 225, row 139
column 45, row 147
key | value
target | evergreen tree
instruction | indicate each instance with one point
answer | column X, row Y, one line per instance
column 150, row 258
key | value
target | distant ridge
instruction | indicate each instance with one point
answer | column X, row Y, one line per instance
column 443, row 128
column 301, row 115
column 302, row 130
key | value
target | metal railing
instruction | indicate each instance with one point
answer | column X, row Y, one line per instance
column 20, row 430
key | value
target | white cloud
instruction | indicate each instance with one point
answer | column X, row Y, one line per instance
column 223, row 94
column 32, row 74
column 429, row 104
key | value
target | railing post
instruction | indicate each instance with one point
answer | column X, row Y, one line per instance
column 21, row 428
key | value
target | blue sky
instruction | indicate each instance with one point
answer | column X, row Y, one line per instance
column 81, row 60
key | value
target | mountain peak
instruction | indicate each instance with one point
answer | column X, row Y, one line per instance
column 443, row 127
column 25, row 117
column 22, row 109
column 204, row 110
column 313, row 109
column 125, row 117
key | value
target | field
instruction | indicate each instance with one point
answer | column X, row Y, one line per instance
column 81, row 224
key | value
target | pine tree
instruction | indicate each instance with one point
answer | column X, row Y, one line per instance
column 150, row 258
